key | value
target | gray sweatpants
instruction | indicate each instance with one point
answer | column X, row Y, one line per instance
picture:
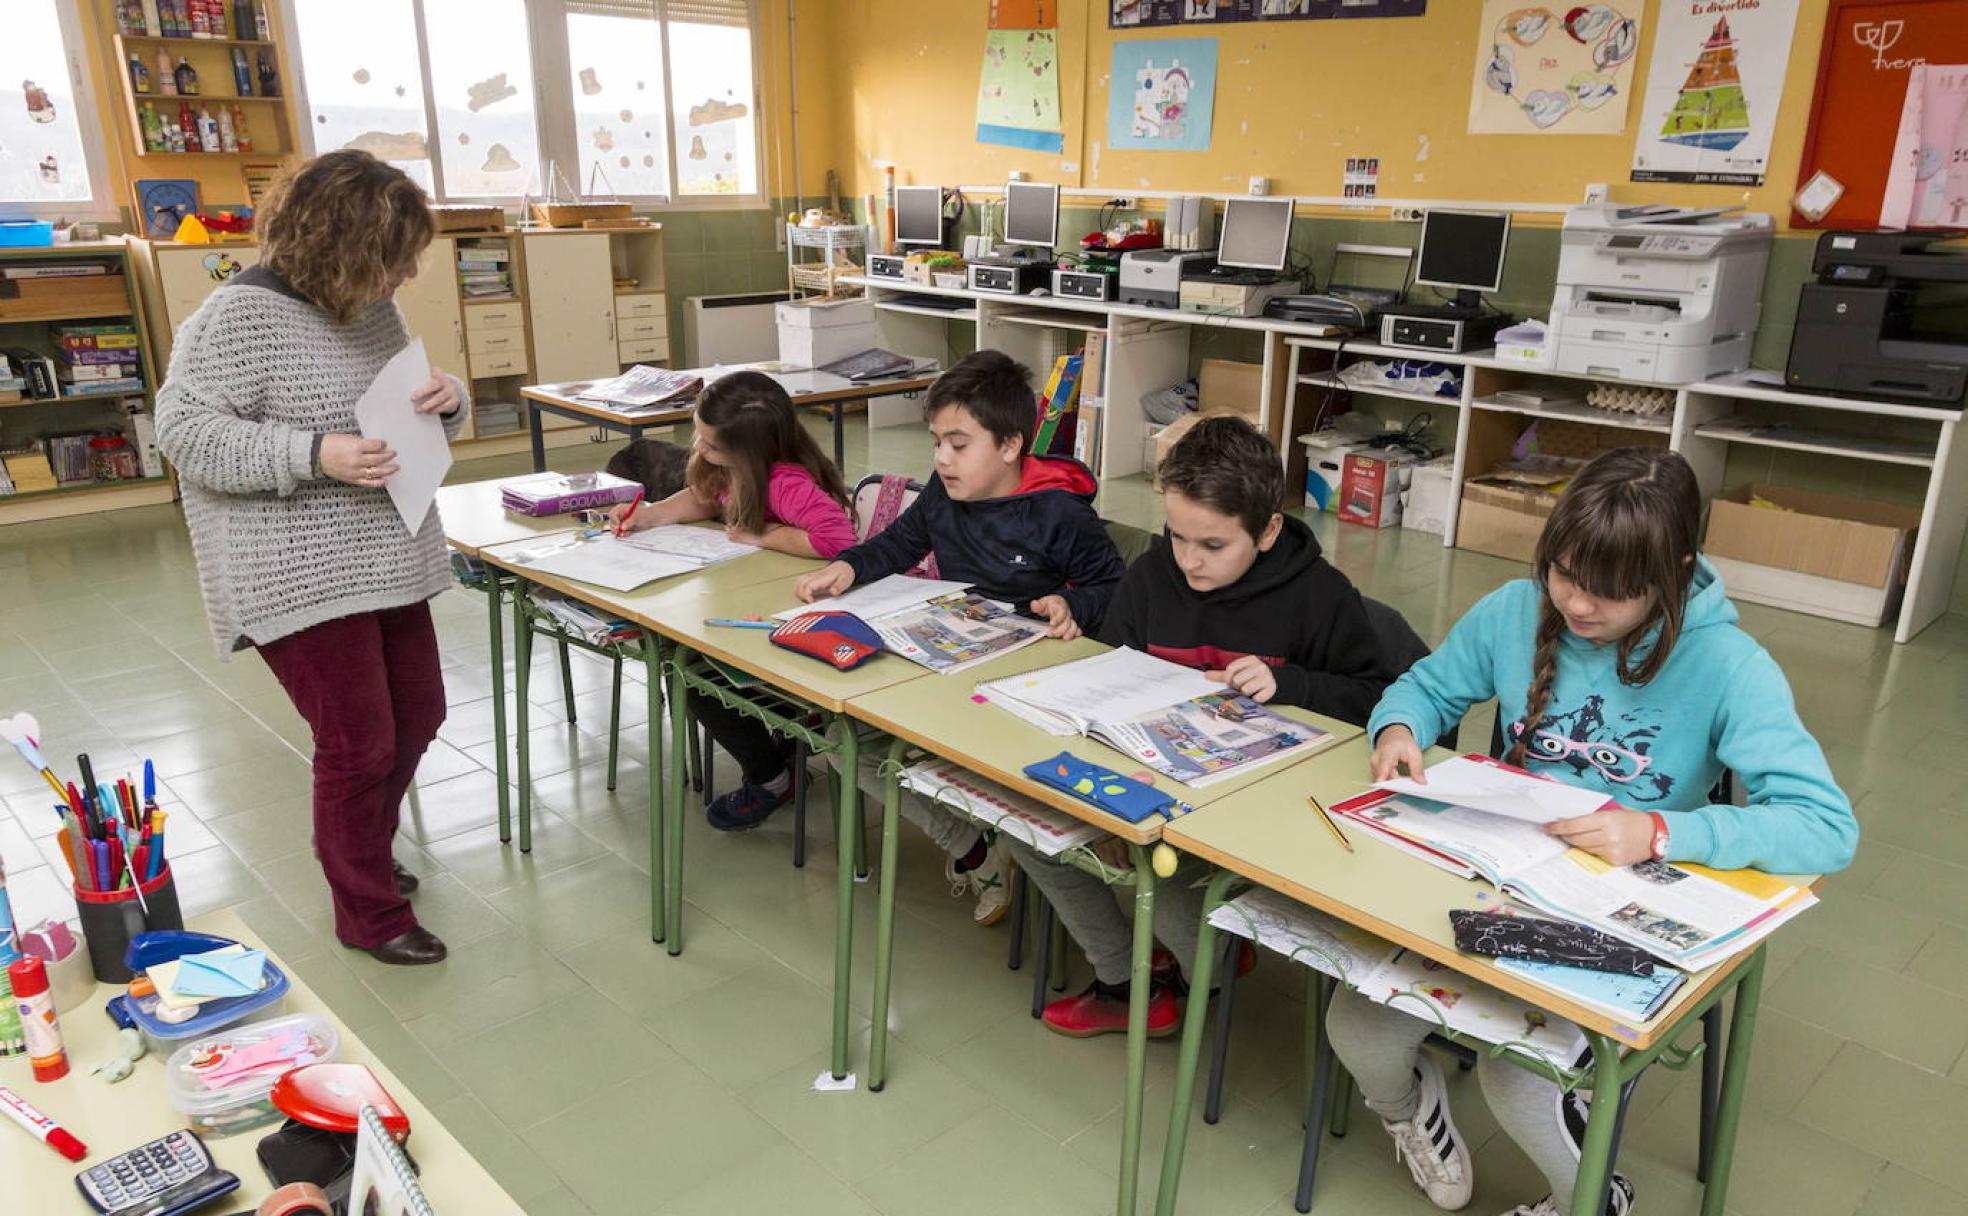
column 1086, row 907
column 946, row 829
column 1378, row 1045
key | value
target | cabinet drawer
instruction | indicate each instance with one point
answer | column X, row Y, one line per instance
column 644, row 349
column 498, row 363
column 636, row 329
column 496, row 341
column 640, row 304
column 511, row 315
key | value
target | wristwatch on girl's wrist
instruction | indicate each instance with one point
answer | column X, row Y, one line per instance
column 1658, row 846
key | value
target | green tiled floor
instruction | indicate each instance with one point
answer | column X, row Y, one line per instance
column 591, row 1072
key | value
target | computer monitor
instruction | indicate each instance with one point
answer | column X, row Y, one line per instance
column 1031, row 214
column 919, row 215
column 1463, row 250
column 1256, row 233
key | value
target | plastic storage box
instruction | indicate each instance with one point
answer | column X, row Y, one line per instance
column 148, row 949
column 244, row 1101
column 26, row 234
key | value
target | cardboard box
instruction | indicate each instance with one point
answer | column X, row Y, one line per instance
column 1430, row 493
column 1501, row 519
column 1831, row 556
column 1224, row 386
column 1325, row 465
column 1370, row 489
column 814, row 333
column 1156, row 444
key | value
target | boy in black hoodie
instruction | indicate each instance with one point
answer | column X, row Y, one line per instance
column 1236, row 587
column 1018, row 527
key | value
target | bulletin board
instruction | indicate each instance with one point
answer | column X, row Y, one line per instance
column 1869, row 48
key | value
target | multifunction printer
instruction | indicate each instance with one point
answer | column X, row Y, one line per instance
column 1657, row 293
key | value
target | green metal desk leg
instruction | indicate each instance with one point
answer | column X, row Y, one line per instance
column 495, row 598
column 523, row 671
column 1595, row 1155
column 1735, row 1075
column 1140, row 979
column 652, row 660
column 845, row 847
column 885, row 917
column 673, row 810
column 1194, row 1018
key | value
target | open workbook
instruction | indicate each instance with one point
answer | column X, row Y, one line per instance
column 942, row 625
column 1169, row 717
column 623, row 563
column 1475, row 817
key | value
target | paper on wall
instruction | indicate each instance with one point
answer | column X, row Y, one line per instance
column 1927, row 186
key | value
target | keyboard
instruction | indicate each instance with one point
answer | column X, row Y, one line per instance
column 1238, row 277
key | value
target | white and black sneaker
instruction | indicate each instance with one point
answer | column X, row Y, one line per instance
column 1618, row 1203
column 1429, row 1144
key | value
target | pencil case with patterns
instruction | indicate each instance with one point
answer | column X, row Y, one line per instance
column 1506, row 935
column 1103, row 787
column 839, row 638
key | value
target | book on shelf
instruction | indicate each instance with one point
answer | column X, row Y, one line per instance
column 939, row 624
column 1687, row 915
column 1172, row 718
column 36, row 372
column 83, row 373
column 122, row 336
column 68, row 455
column 103, row 388
column 55, row 270
column 89, row 356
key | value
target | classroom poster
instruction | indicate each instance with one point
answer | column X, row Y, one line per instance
column 1554, row 71
column 1152, row 14
column 1927, row 187
column 1161, row 95
column 1018, row 91
column 1713, row 91
column 1023, row 15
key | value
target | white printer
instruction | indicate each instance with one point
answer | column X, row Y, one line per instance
column 1658, row 293
column 1153, row 277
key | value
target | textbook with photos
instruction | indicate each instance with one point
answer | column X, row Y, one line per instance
column 940, row 624
column 1169, row 717
column 1687, row 915
column 623, row 563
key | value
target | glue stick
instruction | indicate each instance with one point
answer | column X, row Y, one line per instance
column 37, row 1014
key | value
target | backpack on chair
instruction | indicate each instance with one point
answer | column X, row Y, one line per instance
column 658, row 465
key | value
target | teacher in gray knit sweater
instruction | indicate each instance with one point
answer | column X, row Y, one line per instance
column 300, row 552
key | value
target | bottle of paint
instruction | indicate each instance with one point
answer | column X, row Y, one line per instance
column 187, row 77
column 239, row 131
column 36, row 1005
column 167, row 80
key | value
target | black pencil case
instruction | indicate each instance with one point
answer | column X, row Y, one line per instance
column 1505, row 935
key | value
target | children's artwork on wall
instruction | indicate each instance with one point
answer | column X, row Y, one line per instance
column 1566, row 70
column 163, row 204
column 1024, row 15
column 1712, row 94
column 1018, row 90
column 1149, row 14
column 1927, row 186
column 1161, row 95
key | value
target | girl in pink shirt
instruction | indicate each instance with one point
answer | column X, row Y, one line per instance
column 753, row 466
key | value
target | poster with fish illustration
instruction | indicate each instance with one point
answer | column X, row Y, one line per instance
column 1712, row 93
column 1565, row 69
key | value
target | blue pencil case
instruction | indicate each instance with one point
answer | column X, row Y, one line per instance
column 1102, row 787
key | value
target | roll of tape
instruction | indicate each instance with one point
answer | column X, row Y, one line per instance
column 297, row 1199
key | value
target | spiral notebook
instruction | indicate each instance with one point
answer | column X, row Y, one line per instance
column 385, row 1183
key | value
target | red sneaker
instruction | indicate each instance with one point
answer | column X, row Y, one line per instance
column 1104, row 1010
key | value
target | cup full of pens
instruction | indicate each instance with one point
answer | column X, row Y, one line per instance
column 111, row 838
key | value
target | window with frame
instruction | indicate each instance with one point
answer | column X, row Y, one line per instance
column 653, row 100
column 48, row 146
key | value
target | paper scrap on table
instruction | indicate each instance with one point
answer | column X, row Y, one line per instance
column 1498, row 791
column 827, row 1083
column 880, row 598
column 423, row 454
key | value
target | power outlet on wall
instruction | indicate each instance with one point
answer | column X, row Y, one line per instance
column 1124, row 202
column 1406, row 215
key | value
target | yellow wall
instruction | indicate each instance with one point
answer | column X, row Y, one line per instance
column 1293, row 100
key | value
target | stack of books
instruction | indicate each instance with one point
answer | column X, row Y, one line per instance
column 13, row 381
column 69, row 456
column 485, row 271
column 26, row 472
column 97, row 360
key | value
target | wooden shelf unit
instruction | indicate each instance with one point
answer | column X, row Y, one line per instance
column 270, row 120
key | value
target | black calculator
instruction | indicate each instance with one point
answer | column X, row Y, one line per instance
column 170, row 1175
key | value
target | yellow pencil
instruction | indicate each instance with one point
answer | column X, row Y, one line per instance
column 1331, row 824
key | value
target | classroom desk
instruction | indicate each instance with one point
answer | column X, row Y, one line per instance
column 112, row 1119
column 474, row 518
column 1267, row 835
column 940, row 715
column 805, row 386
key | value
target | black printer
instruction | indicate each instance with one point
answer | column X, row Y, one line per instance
column 1885, row 316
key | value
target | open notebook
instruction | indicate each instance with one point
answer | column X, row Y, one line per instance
column 623, row 563
column 1169, row 717
column 939, row 624
column 1684, row 914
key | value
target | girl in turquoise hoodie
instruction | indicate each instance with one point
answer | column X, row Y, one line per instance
column 1618, row 668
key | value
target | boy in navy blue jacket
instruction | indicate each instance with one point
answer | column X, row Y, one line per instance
column 1018, row 527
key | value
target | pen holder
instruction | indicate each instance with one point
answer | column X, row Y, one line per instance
column 111, row 918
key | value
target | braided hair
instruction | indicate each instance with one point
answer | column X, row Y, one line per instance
column 1625, row 528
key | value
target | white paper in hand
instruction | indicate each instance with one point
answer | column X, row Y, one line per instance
column 423, row 454
column 1485, row 787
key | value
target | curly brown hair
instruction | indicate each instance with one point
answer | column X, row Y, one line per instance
column 341, row 228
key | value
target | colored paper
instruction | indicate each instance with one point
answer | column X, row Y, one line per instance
column 220, row 973
column 1565, row 70
column 1712, row 94
column 1161, row 95
column 1927, row 186
column 1018, row 90
column 1024, row 14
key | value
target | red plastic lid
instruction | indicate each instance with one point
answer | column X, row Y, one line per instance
column 28, row 975
column 328, row 1096
column 109, row 441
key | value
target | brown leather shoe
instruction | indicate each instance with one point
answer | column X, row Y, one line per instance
column 411, row 949
column 406, row 882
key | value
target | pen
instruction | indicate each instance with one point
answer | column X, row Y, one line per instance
column 1331, row 824
column 150, row 784
column 630, row 513
column 729, row 622
column 40, row 1126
